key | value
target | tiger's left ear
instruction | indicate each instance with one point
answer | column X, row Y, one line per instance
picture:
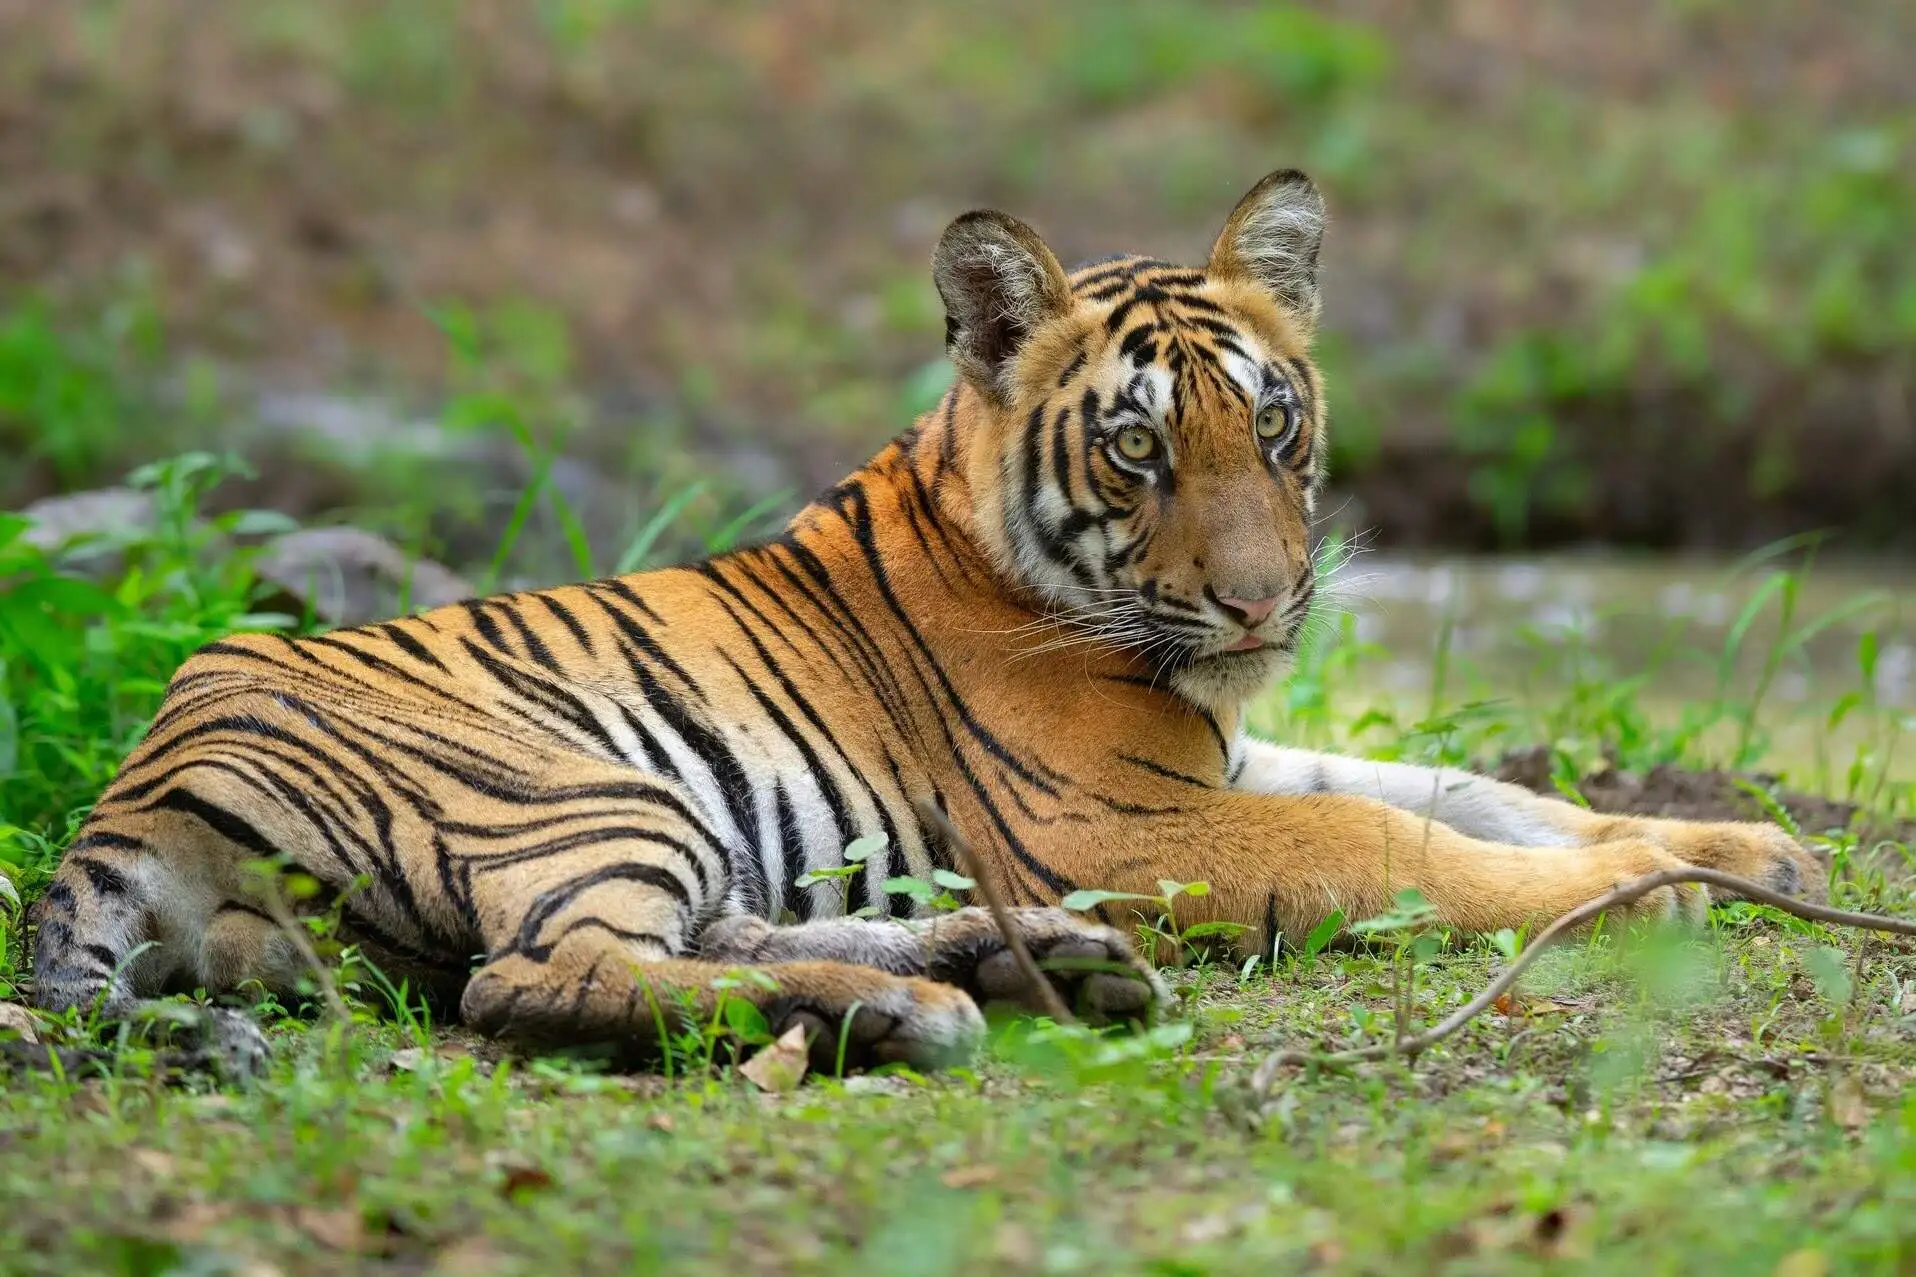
column 999, row 283
column 1271, row 239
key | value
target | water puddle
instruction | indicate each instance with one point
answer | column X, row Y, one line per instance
column 1673, row 636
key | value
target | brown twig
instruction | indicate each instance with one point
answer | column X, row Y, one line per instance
column 1622, row 894
column 930, row 814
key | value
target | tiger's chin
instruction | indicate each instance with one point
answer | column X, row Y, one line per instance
column 1223, row 681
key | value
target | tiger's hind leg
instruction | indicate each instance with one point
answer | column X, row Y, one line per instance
column 1093, row 968
column 596, row 993
column 590, row 913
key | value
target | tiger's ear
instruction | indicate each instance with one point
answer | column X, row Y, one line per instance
column 1271, row 239
column 999, row 283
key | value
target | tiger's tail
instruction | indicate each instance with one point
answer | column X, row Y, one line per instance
column 94, row 925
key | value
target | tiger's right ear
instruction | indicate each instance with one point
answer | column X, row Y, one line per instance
column 1272, row 238
column 999, row 283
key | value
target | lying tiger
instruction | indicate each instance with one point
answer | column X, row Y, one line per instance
column 1042, row 608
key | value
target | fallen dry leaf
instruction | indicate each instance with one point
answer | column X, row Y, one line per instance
column 473, row 1257
column 1848, row 1109
column 884, row 1084
column 522, row 1180
column 17, row 1019
column 1803, row 1263
column 190, row 1225
column 340, row 1229
column 411, row 1059
column 1553, row 1234
column 969, row 1176
column 1016, row 1246
column 155, row 1163
column 91, row 1098
column 781, row 1066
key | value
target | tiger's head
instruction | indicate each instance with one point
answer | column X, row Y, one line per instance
column 1145, row 442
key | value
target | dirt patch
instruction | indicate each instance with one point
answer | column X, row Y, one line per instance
column 1683, row 794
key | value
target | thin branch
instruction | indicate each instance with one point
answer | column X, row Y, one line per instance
column 302, row 942
column 1054, row 1006
column 1622, row 894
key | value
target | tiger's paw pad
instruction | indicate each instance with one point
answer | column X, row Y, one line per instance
column 1093, row 968
column 900, row 1021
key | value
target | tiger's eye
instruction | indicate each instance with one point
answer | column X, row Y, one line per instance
column 1135, row 443
column 1271, row 422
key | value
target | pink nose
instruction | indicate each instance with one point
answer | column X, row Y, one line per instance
column 1251, row 612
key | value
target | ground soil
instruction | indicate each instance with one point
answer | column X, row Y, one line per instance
column 1685, row 794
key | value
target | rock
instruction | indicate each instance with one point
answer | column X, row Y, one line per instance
column 348, row 576
column 102, row 522
column 19, row 1020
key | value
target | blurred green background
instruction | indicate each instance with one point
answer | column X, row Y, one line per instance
column 1638, row 273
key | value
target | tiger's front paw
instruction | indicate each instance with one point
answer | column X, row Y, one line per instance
column 1765, row 854
column 1093, row 968
column 1683, row 903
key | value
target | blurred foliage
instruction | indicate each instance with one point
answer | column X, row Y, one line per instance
column 83, row 661
column 1562, row 235
column 66, row 388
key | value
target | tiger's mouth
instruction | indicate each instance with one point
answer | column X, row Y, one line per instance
column 1243, row 649
column 1246, row 650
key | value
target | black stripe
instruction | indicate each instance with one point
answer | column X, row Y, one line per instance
column 106, row 880
column 535, row 646
column 488, row 628
column 856, row 513
column 566, row 618
column 380, row 664
column 790, row 841
column 1159, row 769
column 551, row 901
column 411, row 646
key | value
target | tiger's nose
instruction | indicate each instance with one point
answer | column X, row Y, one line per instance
column 1250, row 612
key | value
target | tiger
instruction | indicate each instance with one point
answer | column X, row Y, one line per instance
column 583, row 813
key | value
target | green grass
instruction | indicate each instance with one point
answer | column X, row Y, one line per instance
column 1707, row 1109
column 1729, row 1102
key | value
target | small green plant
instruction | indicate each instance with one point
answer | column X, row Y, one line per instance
column 1409, row 928
column 1165, row 941
column 83, row 663
column 856, row 853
